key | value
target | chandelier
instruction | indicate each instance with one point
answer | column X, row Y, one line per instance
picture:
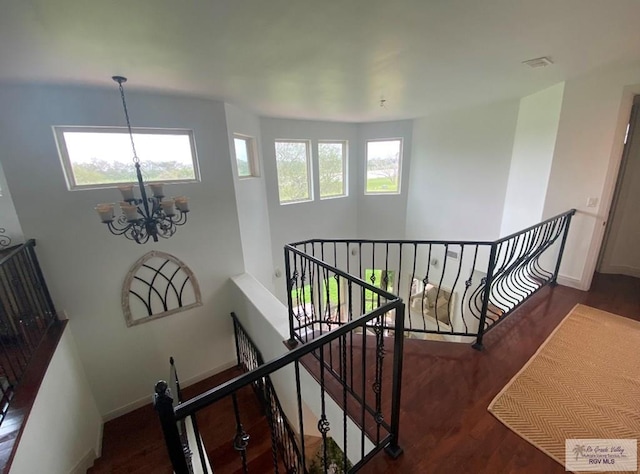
column 145, row 217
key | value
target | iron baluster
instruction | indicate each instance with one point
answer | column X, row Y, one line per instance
column 241, row 439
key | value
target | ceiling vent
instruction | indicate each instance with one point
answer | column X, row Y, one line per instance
column 538, row 62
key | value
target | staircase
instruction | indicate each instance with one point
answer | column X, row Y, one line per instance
column 134, row 444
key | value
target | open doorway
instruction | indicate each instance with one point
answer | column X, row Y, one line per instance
column 620, row 252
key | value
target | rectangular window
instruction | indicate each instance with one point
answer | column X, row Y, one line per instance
column 101, row 157
column 292, row 162
column 332, row 158
column 245, row 156
column 383, row 166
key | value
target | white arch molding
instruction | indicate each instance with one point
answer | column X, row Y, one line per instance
column 158, row 285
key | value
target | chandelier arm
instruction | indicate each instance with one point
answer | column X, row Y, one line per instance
column 117, row 230
column 182, row 220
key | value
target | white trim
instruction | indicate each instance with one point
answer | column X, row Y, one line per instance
column 129, row 407
column 621, row 270
column 85, row 463
column 63, row 153
column 572, row 282
column 310, row 174
column 608, row 191
column 252, row 155
column 99, row 438
column 345, row 160
column 400, row 160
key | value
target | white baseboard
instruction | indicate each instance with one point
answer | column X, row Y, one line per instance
column 621, row 270
column 99, row 441
column 129, row 407
column 571, row 282
column 85, row 463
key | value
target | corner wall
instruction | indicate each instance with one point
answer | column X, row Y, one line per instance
column 320, row 218
column 459, row 172
column 383, row 216
column 251, row 199
column 594, row 116
column 533, row 147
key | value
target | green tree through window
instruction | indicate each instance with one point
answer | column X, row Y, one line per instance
column 376, row 277
column 292, row 162
column 331, row 163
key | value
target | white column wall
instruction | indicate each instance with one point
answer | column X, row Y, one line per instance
column 251, row 199
column 533, row 147
column 459, row 172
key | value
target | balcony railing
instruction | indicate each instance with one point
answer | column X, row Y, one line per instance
column 26, row 314
column 350, row 378
column 455, row 290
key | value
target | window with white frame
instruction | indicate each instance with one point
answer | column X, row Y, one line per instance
column 332, row 158
column 294, row 171
column 384, row 158
column 246, row 157
column 100, row 157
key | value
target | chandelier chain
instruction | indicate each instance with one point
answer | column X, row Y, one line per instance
column 126, row 114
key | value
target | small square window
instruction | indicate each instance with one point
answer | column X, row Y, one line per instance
column 332, row 158
column 101, row 157
column 246, row 157
column 294, row 171
column 383, row 166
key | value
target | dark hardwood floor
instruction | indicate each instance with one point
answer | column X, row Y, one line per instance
column 445, row 426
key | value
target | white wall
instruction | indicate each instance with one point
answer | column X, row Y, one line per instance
column 324, row 218
column 251, row 199
column 8, row 218
column 85, row 265
column 593, row 120
column 459, row 171
column 533, row 147
column 63, row 433
column 383, row 216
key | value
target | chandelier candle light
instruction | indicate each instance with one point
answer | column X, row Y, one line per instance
column 145, row 217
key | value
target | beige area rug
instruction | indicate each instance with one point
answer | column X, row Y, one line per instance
column 583, row 382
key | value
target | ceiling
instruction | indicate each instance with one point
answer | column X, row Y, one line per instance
column 329, row 59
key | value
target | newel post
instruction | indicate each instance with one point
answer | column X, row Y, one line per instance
column 163, row 404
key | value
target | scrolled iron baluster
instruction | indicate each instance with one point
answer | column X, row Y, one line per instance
column 241, row 439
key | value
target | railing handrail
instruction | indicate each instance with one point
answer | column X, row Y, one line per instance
column 570, row 212
column 213, row 395
column 425, row 242
column 18, row 248
column 352, row 278
column 234, row 317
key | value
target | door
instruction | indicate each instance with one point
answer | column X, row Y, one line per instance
column 621, row 251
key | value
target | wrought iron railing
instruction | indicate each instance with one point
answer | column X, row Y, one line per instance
column 369, row 404
column 167, row 396
column 26, row 314
column 284, row 441
column 455, row 290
